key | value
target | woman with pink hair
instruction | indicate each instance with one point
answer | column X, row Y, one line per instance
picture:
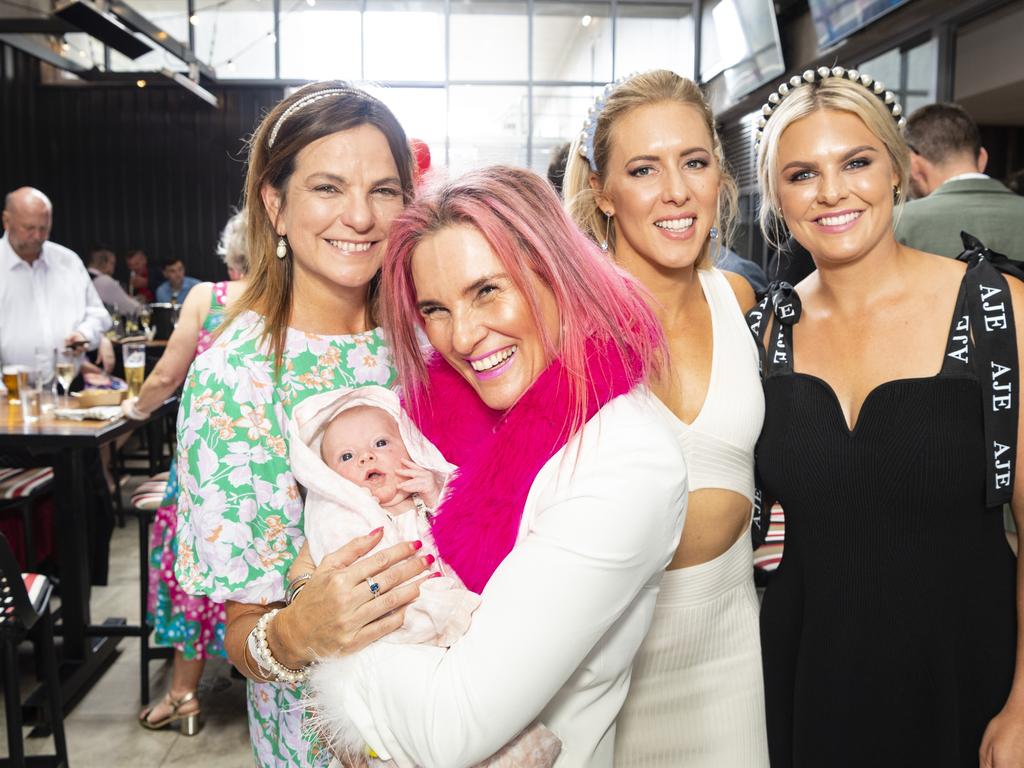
column 571, row 491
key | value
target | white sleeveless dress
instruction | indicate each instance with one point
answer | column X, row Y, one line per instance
column 696, row 699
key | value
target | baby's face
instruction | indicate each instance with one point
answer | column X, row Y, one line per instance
column 363, row 445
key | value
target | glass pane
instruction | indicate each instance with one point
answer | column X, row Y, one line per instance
column 172, row 17
column 322, row 43
column 885, row 68
column 922, row 66
column 572, row 41
column 404, row 40
column 487, row 125
column 653, row 37
column 488, row 40
column 237, row 39
column 558, row 115
column 421, row 111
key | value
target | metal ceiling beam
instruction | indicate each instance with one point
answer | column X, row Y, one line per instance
column 104, row 26
column 40, row 50
column 36, row 26
column 136, row 21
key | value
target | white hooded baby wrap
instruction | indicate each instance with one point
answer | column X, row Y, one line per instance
column 337, row 511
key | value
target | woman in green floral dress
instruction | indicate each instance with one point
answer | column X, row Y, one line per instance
column 329, row 168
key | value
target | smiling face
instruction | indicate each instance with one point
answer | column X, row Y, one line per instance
column 835, row 183
column 364, row 446
column 661, row 186
column 340, row 201
column 476, row 317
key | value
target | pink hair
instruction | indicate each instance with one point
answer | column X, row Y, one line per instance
column 522, row 220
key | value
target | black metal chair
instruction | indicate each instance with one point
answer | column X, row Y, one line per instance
column 25, row 614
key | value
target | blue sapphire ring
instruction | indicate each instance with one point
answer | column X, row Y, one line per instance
column 374, row 587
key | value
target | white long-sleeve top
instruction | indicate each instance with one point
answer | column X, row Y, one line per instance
column 561, row 618
column 43, row 302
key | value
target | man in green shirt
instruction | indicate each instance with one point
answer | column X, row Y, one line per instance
column 947, row 164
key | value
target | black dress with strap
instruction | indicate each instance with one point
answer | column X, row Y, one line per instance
column 889, row 629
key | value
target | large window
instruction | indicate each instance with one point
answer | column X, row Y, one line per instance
column 481, row 81
column 908, row 72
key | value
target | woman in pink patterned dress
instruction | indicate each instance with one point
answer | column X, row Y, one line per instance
column 193, row 626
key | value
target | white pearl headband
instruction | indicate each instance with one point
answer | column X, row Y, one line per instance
column 818, row 75
column 305, row 101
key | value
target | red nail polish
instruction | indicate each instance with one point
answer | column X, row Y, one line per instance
column 434, row 575
column 417, row 545
column 429, row 560
column 375, row 531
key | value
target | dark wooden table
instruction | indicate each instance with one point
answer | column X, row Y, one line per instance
column 87, row 648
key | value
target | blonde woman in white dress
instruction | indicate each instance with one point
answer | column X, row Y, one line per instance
column 646, row 179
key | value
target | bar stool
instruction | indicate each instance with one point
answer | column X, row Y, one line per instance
column 144, row 504
column 25, row 613
column 19, row 489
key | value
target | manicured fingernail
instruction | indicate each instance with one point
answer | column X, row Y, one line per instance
column 417, row 545
column 375, row 531
column 434, row 575
column 429, row 560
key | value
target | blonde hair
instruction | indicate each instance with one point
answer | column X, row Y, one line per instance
column 658, row 85
column 340, row 108
column 231, row 247
column 829, row 93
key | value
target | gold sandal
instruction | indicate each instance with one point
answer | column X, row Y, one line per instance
column 190, row 723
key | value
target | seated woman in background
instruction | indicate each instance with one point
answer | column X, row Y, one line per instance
column 194, row 626
column 890, row 629
column 571, row 491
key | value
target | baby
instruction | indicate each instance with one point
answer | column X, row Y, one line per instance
column 365, row 465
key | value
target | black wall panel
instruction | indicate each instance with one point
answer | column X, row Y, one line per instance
column 153, row 168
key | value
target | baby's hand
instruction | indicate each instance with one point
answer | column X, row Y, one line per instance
column 421, row 481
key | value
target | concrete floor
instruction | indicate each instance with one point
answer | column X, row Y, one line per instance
column 102, row 731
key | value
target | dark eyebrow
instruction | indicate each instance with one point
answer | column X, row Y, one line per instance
column 342, row 181
column 472, row 288
column 847, row 156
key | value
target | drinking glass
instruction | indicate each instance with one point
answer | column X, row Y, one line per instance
column 45, row 364
column 30, row 394
column 10, row 374
column 134, row 356
column 146, row 320
column 68, row 363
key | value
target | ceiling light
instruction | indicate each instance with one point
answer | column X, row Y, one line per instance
column 193, row 20
column 140, row 83
column 311, row 3
column 585, row 21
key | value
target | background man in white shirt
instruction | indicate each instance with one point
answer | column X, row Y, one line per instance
column 47, row 299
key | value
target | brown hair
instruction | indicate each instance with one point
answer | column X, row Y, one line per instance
column 942, row 132
column 269, row 291
column 640, row 90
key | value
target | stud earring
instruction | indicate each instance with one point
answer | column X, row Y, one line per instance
column 897, row 194
column 282, row 248
column 713, row 233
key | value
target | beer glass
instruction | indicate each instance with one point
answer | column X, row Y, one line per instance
column 10, row 374
column 134, row 355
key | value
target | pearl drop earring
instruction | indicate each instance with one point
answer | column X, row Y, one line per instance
column 282, row 248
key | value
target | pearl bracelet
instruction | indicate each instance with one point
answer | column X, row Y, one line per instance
column 266, row 659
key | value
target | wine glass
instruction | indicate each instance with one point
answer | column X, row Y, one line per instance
column 68, row 362
column 146, row 319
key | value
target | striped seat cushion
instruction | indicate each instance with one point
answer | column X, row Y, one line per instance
column 149, row 494
column 36, row 585
column 768, row 556
column 22, row 483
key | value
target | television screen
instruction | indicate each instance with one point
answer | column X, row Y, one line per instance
column 836, row 19
column 740, row 38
